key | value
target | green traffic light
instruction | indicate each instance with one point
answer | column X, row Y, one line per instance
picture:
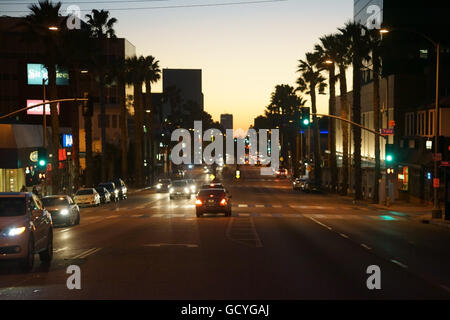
column 42, row 163
column 389, row 158
column 306, row 122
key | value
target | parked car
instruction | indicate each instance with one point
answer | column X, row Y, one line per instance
column 105, row 196
column 62, row 209
column 111, row 187
column 298, row 183
column 26, row 228
column 310, row 186
column 213, row 201
column 121, row 186
column 179, row 189
column 87, row 197
column 163, row 185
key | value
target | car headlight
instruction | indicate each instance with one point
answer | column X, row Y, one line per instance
column 159, row 186
column 186, row 190
column 116, row 191
column 171, row 190
column 12, row 232
column 193, row 188
column 64, row 212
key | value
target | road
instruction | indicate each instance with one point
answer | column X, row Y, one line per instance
column 279, row 244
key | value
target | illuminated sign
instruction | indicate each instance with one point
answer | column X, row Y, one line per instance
column 38, row 110
column 34, row 156
column 38, row 72
column 67, row 141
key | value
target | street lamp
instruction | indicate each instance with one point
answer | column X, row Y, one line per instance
column 437, row 212
column 53, row 28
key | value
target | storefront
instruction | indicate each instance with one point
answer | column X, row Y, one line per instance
column 18, row 146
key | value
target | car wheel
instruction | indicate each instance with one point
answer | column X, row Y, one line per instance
column 228, row 214
column 28, row 262
column 47, row 255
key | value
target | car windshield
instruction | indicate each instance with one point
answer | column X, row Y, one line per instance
column 84, row 192
column 53, row 201
column 12, row 206
column 215, row 193
column 178, row 184
column 107, row 186
column 165, row 181
column 100, row 190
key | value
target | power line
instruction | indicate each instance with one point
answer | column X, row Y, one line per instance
column 177, row 6
column 81, row 2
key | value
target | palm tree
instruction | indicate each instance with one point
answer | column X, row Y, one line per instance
column 152, row 73
column 135, row 75
column 43, row 15
column 309, row 81
column 329, row 52
column 375, row 43
column 101, row 27
column 357, row 34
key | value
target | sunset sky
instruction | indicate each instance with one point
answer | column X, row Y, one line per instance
column 243, row 50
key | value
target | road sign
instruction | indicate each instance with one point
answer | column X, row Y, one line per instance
column 437, row 157
column 445, row 164
column 436, row 183
column 387, row 132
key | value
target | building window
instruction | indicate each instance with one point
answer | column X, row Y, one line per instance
column 431, row 123
column 409, row 124
column 99, row 120
column 421, row 123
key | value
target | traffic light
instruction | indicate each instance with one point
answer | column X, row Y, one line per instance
column 42, row 158
column 390, row 155
column 306, row 117
column 88, row 106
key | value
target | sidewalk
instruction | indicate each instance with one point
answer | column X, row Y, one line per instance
column 416, row 212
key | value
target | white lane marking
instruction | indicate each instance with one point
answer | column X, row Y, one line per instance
column 243, row 206
column 64, row 230
column 277, row 206
column 59, row 249
column 187, row 245
column 320, row 223
column 158, row 215
column 399, row 264
column 344, row 236
column 366, row 246
column 86, row 253
column 112, row 217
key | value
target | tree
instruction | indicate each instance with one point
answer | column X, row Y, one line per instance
column 375, row 43
column 329, row 53
column 135, row 76
column 309, row 81
column 152, row 73
column 358, row 49
column 36, row 24
column 101, row 27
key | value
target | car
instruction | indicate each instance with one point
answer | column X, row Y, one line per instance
column 87, row 197
column 26, row 228
column 298, row 183
column 310, row 186
column 105, row 196
column 179, row 189
column 62, row 209
column 111, row 187
column 281, row 173
column 192, row 185
column 213, row 201
column 123, row 190
column 163, row 185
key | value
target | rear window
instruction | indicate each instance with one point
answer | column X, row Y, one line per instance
column 84, row 192
column 48, row 202
column 12, row 207
column 164, row 181
column 215, row 193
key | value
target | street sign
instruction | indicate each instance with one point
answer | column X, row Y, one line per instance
column 445, row 164
column 436, row 183
column 437, row 157
column 387, row 132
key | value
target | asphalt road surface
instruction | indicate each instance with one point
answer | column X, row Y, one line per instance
column 279, row 244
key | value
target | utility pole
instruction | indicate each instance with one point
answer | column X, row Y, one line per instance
column 44, row 132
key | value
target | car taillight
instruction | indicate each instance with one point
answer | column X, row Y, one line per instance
column 198, row 202
column 223, row 202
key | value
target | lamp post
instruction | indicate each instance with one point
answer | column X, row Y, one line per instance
column 436, row 212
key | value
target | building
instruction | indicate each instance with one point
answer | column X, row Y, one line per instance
column 187, row 81
column 226, row 121
column 21, row 84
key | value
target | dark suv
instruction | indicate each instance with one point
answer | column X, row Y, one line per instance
column 111, row 187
